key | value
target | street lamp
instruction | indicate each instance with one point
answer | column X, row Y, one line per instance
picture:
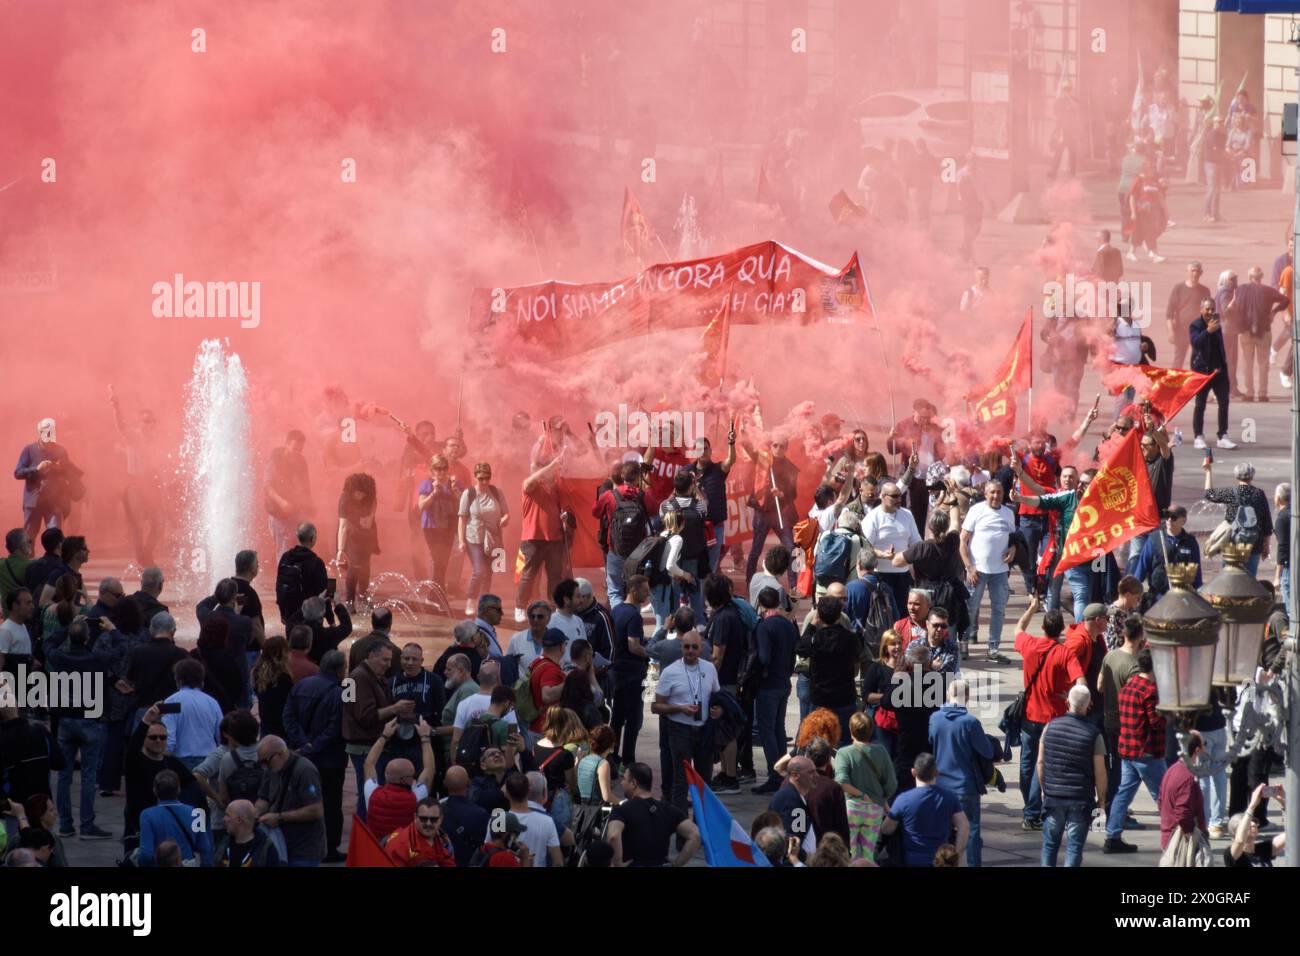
column 1244, row 605
column 1182, row 630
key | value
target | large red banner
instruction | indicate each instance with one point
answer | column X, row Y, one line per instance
column 994, row 405
column 766, row 282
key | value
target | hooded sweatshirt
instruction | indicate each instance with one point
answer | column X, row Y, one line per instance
column 956, row 737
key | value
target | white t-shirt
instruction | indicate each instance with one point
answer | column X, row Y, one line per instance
column 884, row 530
column 14, row 638
column 539, row 834
column 1128, row 343
column 472, row 706
column 680, row 684
column 368, row 791
column 989, row 531
column 522, row 644
column 572, row 627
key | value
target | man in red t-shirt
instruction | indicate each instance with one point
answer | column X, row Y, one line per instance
column 546, row 677
column 1086, row 640
column 1050, row 667
column 541, row 538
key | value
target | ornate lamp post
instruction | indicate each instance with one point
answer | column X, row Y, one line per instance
column 1244, row 605
column 1182, row 631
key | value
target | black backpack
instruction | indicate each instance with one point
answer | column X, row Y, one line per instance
column 288, row 588
column 647, row 558
column 246, row 782
column 476, row 738
column 881, row 616
column 627, row 529
column 694, row 544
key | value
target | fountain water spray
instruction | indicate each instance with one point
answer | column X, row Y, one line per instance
column 216, row 458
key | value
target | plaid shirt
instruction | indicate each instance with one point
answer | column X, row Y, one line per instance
column 1141, row 729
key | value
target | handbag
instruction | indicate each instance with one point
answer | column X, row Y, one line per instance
column 1014, row 716
column 1217, row 539
column 1187, row 850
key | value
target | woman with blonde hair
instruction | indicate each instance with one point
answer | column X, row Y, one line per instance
column 272, row 681
column 664, row 596
column 563, row 742
column 877, row 683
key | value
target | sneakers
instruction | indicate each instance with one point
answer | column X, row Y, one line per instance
column 725, row 785
column 746, row 776
column 1031, row 825
column 67, row 831
column 1155, row 258
column 1272, row 355
column 993, row 657
column 1131, row 257
column 1200, row 442
column 95, row 833
column 1226, row 442
column 1286, row 379
column 1117, row 845
column 521, row 616
column 768, row 786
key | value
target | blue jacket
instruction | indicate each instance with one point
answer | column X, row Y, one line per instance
column 956, row 736
column 31, row 456
column 172, row 820
column 313, row 721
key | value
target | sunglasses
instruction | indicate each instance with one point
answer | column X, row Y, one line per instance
column 940, row 627
column 429, row 820
column 891, row 495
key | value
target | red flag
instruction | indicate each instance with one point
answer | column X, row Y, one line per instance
column 1168, row 389
column 638, row 236
column 995, row 405
column 1117, row 506
column 844, row 209
column 714, row 345
column 363, row 848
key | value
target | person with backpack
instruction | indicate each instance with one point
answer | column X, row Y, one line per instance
column 775, row 638
column 663, row 567
column 299, row 575
column 482, row 515
column 868, row 604
column 464, row 822
column 313, row 721
column 694, row 556
column 478, row 727
column 624, row 524
column 833, row 653
column 238, row 776
column 503, row 846
column 1247, row 515
column 836, row 555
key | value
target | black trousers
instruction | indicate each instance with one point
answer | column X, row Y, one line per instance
column 626, row 716
column 1219, row 386
column 331, row 784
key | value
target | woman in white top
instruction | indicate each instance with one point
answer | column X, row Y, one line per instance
column 665, row 596
column 483, row 513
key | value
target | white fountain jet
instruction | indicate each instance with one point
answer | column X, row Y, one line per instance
column 216, row 460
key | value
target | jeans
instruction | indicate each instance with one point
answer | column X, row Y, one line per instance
column 1124, row 399
column 626, row 716
column 284, row 533
column 695, row 594
column 1252, row 565
column 769, row 715
column 536, row 555
column 887, row 739
column 1079, row 578
column 1072, row 819
column 87, row 736
column 719, row 546
column 1286, row 589
column 1112, row 766
column 803, row 691
column 663, row 599
column 1030, row 733
column 761, row 528
column 999, row 588
column 614, row 578
column 684, row 744
column 1214, row 788
column 1212, row 187
column 480, row 576
column 358, row 765
column 1134, row 549
column 970, row 805
column 110, row 760
column 1034, row 528
column 1134, row 771
column 844, row 713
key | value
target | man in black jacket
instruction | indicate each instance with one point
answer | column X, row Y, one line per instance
column 146, row 757
column 325, row 633
column 1210, row 357
column 151, row 585
column 80, row 729
column 149, row 665
column 313, row 723
column 300, row 575
column 833, row 653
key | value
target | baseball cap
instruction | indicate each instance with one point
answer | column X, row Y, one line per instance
column 513, row 824
column 554, row 637
column 1094, row 611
